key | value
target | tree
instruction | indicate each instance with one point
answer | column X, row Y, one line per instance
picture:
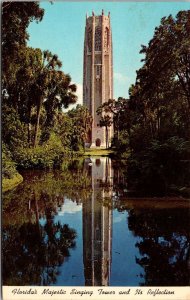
column 162, row 88
column 33, row 253
column 82, row 123
column 13, row 131
column 62, row 127
column 20, row 91
column 16, row 17
column 32, row 78
column 18, row 63
column 106, row 112
column 114, row 108
column 173, row 245
column 106, row 121
column 155, row 126
column 51, row 86
column 168, row 53
column 158, row 107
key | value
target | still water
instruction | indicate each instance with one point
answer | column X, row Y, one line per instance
column 79, row 226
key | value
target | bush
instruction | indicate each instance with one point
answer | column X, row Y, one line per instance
column 10, row 176
column 8, row 166
column 121, row 145
column 46, row 156
column 160, row 167
column 14, row 132
column 8, row 184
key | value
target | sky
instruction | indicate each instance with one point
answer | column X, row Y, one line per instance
column 62, row 32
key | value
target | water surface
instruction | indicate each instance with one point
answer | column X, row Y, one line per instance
column 77, row 227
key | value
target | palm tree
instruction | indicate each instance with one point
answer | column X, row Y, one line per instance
column 106, row 122
column 83, row 122
column 52, row 88
column 86, row 119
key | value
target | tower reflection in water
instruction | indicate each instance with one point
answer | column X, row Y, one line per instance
column 97, row 224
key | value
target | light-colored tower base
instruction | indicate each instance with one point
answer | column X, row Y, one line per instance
column 97, row 74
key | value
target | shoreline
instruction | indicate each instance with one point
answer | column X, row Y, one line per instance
column 9, row 184
column 97, row 152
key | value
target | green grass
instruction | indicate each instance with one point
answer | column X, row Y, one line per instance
column 9, row 184
column 97, row 152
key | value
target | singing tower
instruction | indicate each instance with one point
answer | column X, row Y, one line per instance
column 97, row 74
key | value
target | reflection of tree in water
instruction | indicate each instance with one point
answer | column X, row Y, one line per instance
column 164, row 245
column 41, row 190
column 33, row 253
column 119, row 179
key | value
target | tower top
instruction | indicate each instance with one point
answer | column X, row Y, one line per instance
column 93, row 14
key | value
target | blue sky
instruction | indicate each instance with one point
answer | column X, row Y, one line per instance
column 62, row 32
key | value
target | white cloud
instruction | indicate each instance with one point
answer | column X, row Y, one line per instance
column 123, row 79
column 119, row 218
column 79, row 93
column 69, row 207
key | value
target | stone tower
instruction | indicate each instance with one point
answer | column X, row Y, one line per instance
column 97, row 74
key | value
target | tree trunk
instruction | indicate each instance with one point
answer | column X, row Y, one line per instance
column 106, row 137
column 118, row 127
column 37, row 212
column 37, row 123
column 29, row 127
column 29, row 134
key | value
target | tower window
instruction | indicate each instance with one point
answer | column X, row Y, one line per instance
column 106, row 38
column 98, row 71
column 98, row 39
column 89, row 38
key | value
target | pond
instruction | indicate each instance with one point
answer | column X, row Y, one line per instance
column 79, row 226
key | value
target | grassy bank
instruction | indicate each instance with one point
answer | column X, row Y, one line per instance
column 97, row 152
column 8, row 184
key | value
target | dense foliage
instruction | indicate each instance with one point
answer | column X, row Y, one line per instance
column 36, row 244
column 81, row 126
column 161, row 98
column 155, row 127
column 8, row 166
column 35, row 90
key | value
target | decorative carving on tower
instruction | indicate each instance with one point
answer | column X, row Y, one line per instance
column 89, row 39
column 97, row 73
column 98, row 39
column 106, row 39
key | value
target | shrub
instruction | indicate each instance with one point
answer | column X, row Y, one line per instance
column 13, row 130
column 8, row 166
column 160, row 166
column 46, row 156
